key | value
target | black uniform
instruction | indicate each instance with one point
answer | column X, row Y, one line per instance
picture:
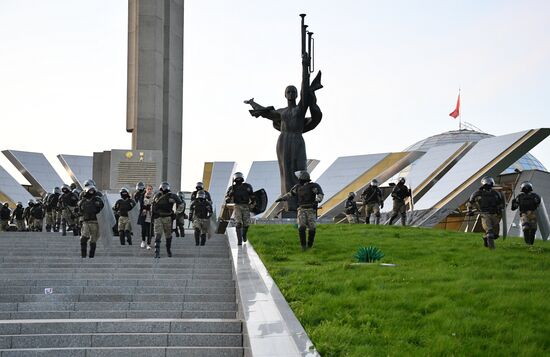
column 5, row 215
column 67, row 203
column 399, row 194
column 50, row 204
column 200, row 213
column 89, row 206
column 308, row 195
column 163, row 214
column 490, row 205
column 351, row 209
column 37, row 213
column 122, row 208
column 242, row 195
column 528, row 203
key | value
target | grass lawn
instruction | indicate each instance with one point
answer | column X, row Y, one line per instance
column 448, row 296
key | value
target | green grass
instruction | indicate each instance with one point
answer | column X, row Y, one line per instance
column 448, row 296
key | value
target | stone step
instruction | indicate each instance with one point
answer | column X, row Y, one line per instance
column 121, row 340
column 116, row 282
column 116, row 290
column 116, row 298
column 117, row 306
column 32, row 327
column 108, row 314
column 126, row 352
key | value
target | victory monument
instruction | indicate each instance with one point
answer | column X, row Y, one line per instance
column 291, row 121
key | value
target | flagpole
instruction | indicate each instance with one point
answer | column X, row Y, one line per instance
column 459, row 114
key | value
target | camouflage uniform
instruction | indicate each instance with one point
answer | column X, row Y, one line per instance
column 490, row 205
column 308, row 195
column 163, row 209
column 527, row 202
column 307, row 218
column 242, row 195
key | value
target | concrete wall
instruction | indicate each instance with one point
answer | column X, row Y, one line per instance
column 155, row 81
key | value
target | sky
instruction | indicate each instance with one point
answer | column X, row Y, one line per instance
column 391, row 74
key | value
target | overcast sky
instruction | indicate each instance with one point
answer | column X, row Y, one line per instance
column 391, row 71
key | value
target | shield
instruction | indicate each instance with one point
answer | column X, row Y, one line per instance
column 261, row 202
column 504, row 225
column 543, row 221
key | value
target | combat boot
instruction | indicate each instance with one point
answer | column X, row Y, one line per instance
column 203, row 239
column 311, row 238
column 169, row 246
column 197, row 237
column 92, row 249
column 239, row 236
column 245, row 231
column 302, row 234
column 157, row 248
column 48, row 228
column 84, row 246
column 121, row 236
column 367, row 220
column 128, row 237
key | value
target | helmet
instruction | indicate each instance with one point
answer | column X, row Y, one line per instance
column 73, row 186
column 31, row 202
column 77, row 191
column 487, row 181
column 238, row 176
column 401, row 180
column 200, row 186
column 65, row 188
column 6, row 204
column 56, row 190
column 526, row 186
column 19, row 204
column 201, row 194
column 89, row 182
column 90, row 189
column 140, row 186
column 123, row 191
column 180, row 195
column 351, row 195
column 303, row 175
column 164, row 186
column 374, row 183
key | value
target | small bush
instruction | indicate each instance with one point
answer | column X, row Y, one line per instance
column 368, row 254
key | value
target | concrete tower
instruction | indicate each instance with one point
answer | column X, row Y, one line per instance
column 155, row 81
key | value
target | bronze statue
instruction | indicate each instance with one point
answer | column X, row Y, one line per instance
column 292, row 122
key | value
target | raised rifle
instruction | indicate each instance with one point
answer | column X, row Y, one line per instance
column 308, row 55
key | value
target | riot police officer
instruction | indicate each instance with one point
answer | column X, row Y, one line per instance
column 50, row 205
column 18, row 217
column 68, row 203
column 200, row 213
column 89, row 206
column 490, row 205
column 37, row 214
column 163, row 204
column 242, row 195
column 180, row 217
column 351, row 208
column 5, row 215
column 121, row 208
column 528, row 202
column 372, row 201
column 200, row 187
column 309, row 195
column 399, row 194
column 27, row 214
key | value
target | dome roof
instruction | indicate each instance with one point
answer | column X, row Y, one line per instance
column 526, row 162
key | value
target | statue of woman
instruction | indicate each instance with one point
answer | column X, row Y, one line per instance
column 292, row 122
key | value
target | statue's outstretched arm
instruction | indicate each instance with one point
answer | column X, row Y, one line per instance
column 261, row 111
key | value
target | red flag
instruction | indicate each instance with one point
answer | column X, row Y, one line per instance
column 456, row 112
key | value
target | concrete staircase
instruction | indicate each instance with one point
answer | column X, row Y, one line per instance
column 123, row 302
